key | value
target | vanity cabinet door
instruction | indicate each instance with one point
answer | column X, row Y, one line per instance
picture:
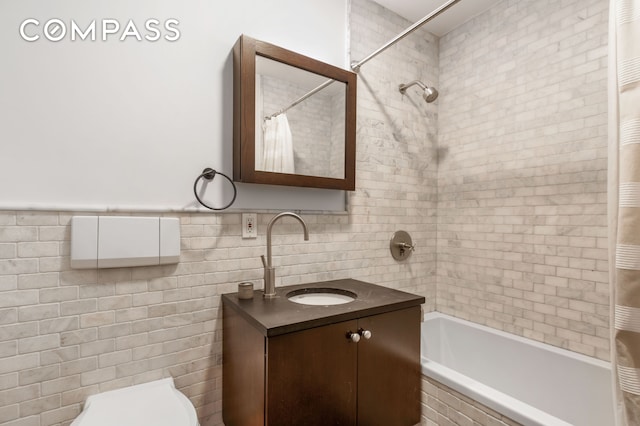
column 312, row 377
column 389, row 369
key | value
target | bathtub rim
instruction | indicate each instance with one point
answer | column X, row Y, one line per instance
column 491, row 398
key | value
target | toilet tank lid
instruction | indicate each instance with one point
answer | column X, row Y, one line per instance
column 156, row 403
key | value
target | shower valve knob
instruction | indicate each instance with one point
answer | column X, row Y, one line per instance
column 405, row 246
column 401, row 245
column 354, row 337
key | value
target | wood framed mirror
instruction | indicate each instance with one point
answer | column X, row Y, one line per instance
column 294, row 118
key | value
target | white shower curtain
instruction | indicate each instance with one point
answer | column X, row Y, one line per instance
column 277, row 145
column 624, row 206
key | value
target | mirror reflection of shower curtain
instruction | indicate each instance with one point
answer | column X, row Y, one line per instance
column 277, row 145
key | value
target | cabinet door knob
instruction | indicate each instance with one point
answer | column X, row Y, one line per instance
column 354, row 337
column 365, row 333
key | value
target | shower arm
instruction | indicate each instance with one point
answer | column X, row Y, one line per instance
column 355, row 66
column 403, row 87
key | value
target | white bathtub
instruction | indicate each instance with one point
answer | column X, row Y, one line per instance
column 529, row 382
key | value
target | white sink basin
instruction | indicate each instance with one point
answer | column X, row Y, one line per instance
column 321, row 296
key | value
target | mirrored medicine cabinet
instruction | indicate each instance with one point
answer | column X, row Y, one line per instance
column 294, row 118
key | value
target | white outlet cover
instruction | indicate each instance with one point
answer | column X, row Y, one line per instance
column 249, row 232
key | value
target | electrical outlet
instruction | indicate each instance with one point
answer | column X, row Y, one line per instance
column 249, row 225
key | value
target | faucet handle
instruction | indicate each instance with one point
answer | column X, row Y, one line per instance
column 405, row 246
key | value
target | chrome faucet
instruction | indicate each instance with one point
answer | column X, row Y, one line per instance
column 269, row 270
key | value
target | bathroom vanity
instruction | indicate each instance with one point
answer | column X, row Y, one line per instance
column 356, row 363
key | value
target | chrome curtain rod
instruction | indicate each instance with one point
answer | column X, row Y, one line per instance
column 300, row 99
column 355, row 66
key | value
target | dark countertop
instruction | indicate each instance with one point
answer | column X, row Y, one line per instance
column 278, row 315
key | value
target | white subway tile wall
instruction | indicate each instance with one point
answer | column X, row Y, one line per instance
column 522, row 131
column 66, row 334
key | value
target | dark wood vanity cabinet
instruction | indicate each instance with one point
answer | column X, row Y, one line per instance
column 312, row 377
column 319, row 376
column 389, row 369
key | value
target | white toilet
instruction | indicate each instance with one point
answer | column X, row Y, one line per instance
column 156, row 403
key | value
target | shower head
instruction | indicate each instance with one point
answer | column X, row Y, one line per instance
column 429, row 94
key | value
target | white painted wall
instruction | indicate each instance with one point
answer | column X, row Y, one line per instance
column 129, row 125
